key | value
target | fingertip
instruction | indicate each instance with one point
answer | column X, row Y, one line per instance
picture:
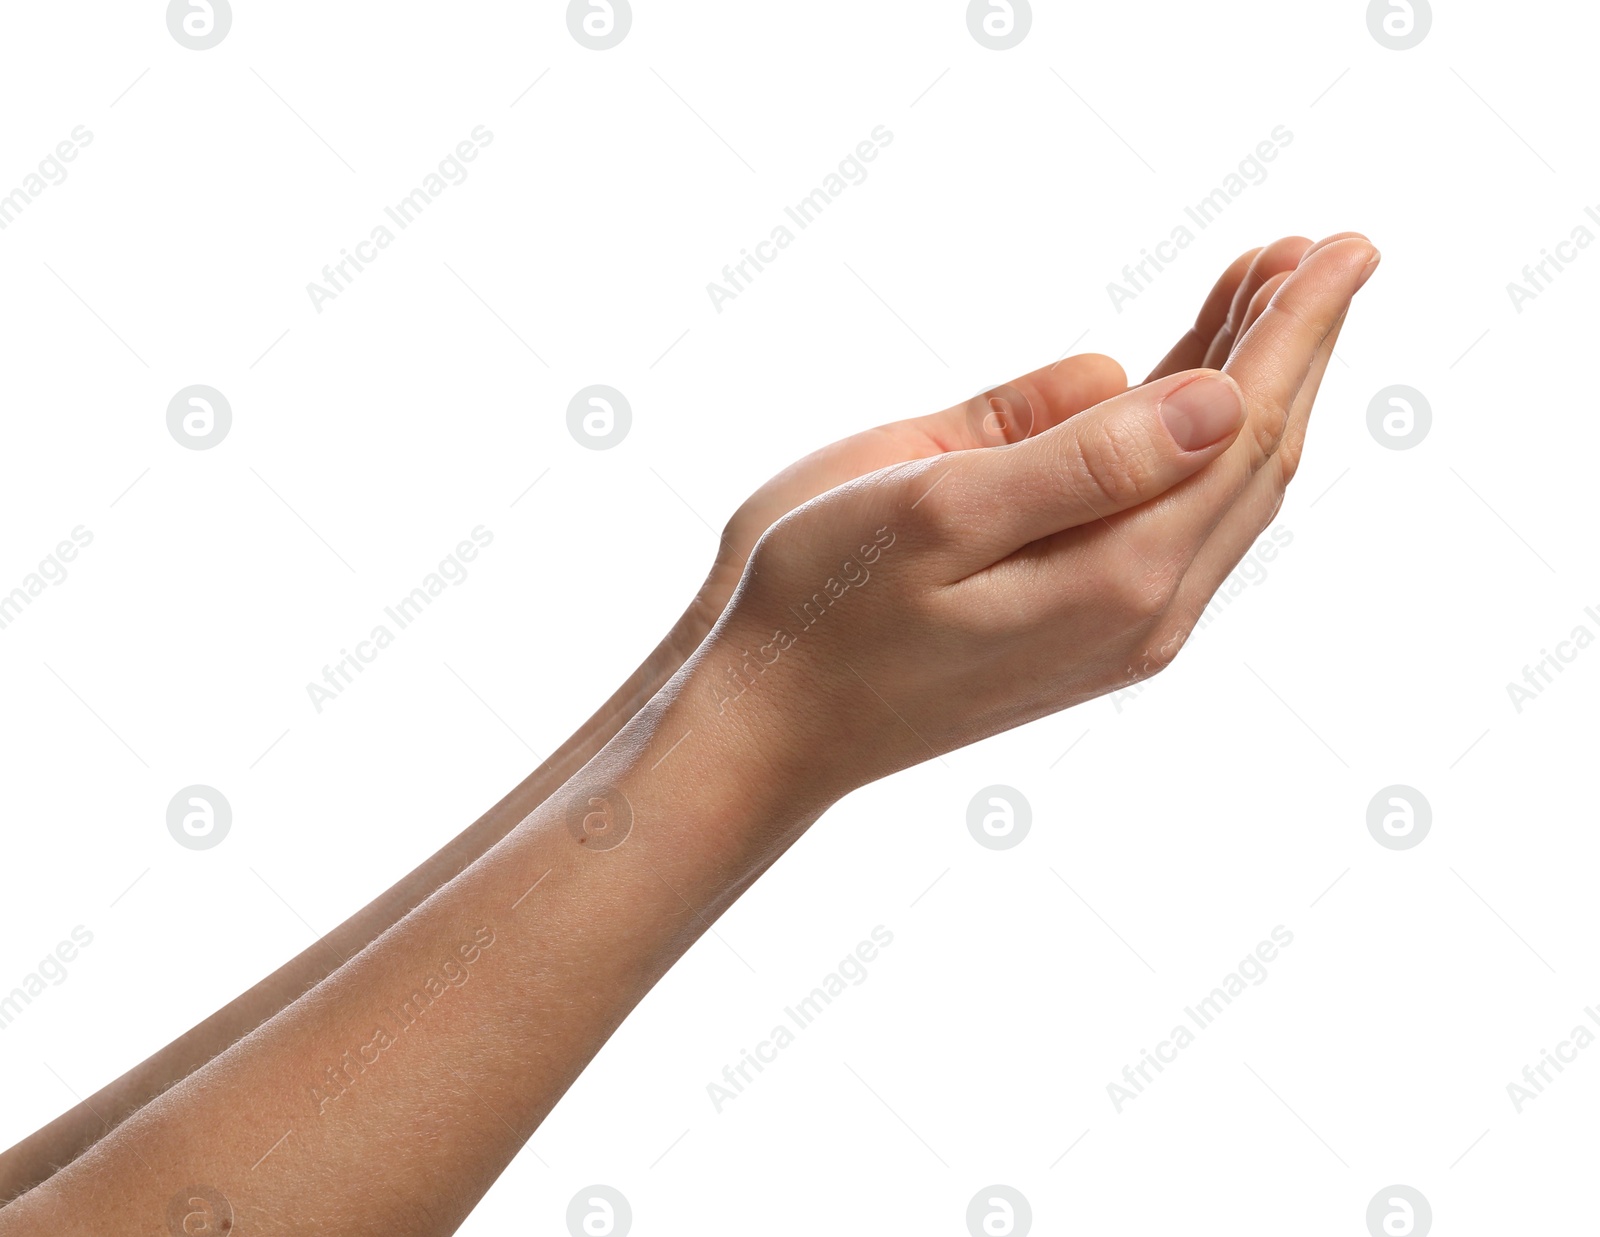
column 1367, row 271
column 1284, row 254
column 1071, row 385
column 1354, row 251
column 1334, row 239
column 1107, row 372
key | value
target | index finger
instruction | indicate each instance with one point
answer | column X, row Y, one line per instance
column 1271, row 364
column 1274, row 359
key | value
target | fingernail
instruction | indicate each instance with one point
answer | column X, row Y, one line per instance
column 1366, row 273
column 1202, row 412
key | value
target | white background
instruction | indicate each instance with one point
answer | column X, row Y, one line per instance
column 1228, row 798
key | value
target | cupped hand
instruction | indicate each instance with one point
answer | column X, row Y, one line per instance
column 1022, row 408
column 1029, row 405
column 935, row 602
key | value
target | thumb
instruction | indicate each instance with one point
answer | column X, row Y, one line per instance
column 1119, row 454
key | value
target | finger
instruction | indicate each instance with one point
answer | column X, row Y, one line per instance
column 1190, row 351
column 1262, row 496
column 1292, row 443
column 1256, row 507
column 1259, row 303
column 1115, row 456
column 1264, row 294
column 1287, row 456
column 1221, row 554
column 1286, row 349
column 1329, row 240
column 1188, row 542
column 1292, row 334
column 1068, row 387
column 1281, row 255
column 1029, row 405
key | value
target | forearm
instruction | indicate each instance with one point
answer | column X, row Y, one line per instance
column 1051, row 394
column 372, row 1105
column 41, row 1153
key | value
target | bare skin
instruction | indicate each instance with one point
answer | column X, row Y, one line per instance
column 1057, row 393
column 1000, row 585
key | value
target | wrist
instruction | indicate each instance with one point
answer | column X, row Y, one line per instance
column 733, row 725
column 752, row 704
column 682, row 794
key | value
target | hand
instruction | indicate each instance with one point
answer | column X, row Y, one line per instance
column 934, row 603
column 1025, row 407
column 1044, row 398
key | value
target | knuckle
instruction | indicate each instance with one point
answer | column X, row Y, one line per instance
column 776, row 545
column 1113, row 464
column 1286, row 307
column 1289, row 453
column 912, row 496
column 1266, row 426
column 1141, row 593
column 932, row 509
